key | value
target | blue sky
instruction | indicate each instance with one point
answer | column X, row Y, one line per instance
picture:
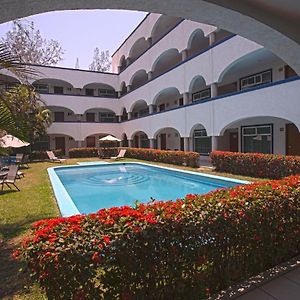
column 79, row 32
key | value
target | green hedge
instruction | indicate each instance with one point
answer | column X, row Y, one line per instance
column 256, row 164
column 93, row 152
column 190, row 159
column 186, row 249
column 42, row 155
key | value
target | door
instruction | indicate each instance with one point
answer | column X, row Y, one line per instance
column 182, row 144
column 292, row 140
column 136, row 141
column 163, row 141
column 90, row 142
column 60, row 144
column 233, row 142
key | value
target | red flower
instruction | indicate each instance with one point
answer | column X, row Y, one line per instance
column 106, row 239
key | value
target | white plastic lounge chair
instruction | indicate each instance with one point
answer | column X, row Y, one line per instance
column 53, row 158
column 11, row 177
column 120, row 155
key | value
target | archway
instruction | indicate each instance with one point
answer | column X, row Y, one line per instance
column 140, row 140
column 201, row 143
column 198, row 89
column 167, row 99
column 197, row 42
column 139, row 109
column 138, row 78
column 169, row 139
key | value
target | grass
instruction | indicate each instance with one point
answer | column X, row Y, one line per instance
column 35, row 201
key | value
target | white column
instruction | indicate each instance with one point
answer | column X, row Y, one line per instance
column 130, row 143
column 119, row 119
column 151, row 109
column 119, row 94
column 186, row 143
column 186, row 98
column 150, row 75
column 127, row 61
column 80, row 143
column 184, row 54
column 129, row 115
column 212, row 38
column 152, row 143
column 119, row 69
column 128, row 88
column 149, row 40
column 78, row 117
column 214, row 143
column 213, row 90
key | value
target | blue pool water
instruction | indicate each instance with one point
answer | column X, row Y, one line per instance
column 101, row 186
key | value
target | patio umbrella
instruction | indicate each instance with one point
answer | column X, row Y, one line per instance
column 109, row 138
column 8, row 141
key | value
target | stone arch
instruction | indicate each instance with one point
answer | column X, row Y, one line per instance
column 139, row 78
column 197, row 42
column 139, row 47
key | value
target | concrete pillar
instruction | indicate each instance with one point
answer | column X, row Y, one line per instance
column 212, row 38
column 186, row 143
column 79, row 117
column 129, row 115
column 150, row 75
column 213, row 90
column 184, row 54
column 152, row 143
column 80, row 144
column 128, row 61
column 119, row 94
column 128, row 88
column 186, row 97
column 130, row 143
column 119, row 119
column 214, row 143
column 151, row 109
column 119, row 69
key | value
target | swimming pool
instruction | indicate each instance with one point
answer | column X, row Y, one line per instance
column 86, row 189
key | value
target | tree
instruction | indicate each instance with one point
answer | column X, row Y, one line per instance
column 26, row 42
column 101, row 61
column 31, row 118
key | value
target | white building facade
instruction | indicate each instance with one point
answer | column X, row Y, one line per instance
column 177, row 85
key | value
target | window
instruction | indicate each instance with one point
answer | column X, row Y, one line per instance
column 89, row 92
column 42, row 88
column 107, row 117
column 256, row 79
column 144, row 112
column 90, row 142
column 257, row 139
column 58, row 90
column 90, row 117
column 59, row 116
column 204, row 94
column 202, row 142
column 106, row 93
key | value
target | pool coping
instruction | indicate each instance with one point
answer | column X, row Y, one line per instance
column 68, row 208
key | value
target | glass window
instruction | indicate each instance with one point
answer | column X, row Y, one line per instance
column 202, row 142
column 58, row 90
column 107, row 117
column 257, row 139
column 204, row 94
column 257, row 79
column 89, row 92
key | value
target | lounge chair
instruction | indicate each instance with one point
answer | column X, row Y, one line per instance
column 11, row 177
column 19, row 158
column 24, row 161
column 53, row 158
column 120, row 155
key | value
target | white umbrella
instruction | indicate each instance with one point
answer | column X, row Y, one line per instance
column 12, row 141
column 109, row 138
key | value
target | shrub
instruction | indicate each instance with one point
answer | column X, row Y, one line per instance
column 186, row 249
column 256, row 164
column 92, row 152
column 190, row 159
column 42, row 155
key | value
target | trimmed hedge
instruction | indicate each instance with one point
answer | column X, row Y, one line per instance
column 256, row 164
column 42, row 155
column 190, row 159
column 93, row 152
column 186, row 249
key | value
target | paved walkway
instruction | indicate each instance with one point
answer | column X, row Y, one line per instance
column 285, row 287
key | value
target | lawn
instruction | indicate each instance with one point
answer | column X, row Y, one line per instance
column 18, row 210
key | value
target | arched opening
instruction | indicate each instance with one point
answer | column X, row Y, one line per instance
column 123, row 89
column 100, row 115
column 167, row 99
column 61, row 142
column 139, row 78
column 122, row 64
column 221, row 34
column 139, row 47
column 169, row 139
column 162, row 26
column 92, row 141
column 198, row 89
column 252, row 70
column 8, row 82
column 62, row 114
column 140, row 140
column 166, row 61
column 261, row 135
column 99, row 90
column 139, row 109
column 201, row 142
column 53, row 86
column 197, row 42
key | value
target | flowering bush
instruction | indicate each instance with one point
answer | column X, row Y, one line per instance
column 190, row 159
column 186, row 249
column 256, row 164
